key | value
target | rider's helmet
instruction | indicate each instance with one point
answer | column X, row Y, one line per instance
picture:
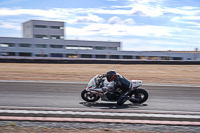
column 111, row 75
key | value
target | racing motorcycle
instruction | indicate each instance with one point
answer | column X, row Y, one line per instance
column 98, row 87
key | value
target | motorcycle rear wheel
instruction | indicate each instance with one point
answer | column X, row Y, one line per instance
column 89, row 97
column 140, row 94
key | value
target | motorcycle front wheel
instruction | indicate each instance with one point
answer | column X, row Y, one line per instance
column 89, row 97
column 138, row 96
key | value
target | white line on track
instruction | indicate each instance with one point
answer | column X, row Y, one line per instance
column 98, row 110
column 90, row 113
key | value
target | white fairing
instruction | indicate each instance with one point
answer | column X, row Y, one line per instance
column 135, row 83
column 92, row 83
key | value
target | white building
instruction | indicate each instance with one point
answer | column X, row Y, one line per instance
column 43, row 29
column 46, row 39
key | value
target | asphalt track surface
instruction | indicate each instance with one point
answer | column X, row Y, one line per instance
column 67, row 95
column 169, row 108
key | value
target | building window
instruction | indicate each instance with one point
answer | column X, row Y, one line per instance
column 40, row 26
column 24, row 45
column 127, row 57
column 85, row 48
column 41, row 36
column 165, row 58
column 25, row 54
column 114, row 56
column 141, row 57
column 100, row 48
column 176, row 58
column 7, row 45
column 41, row 55
column 153, row 58
column 41, row 45
column 100, row 56
column 57, row 27
column 56, row 55
column 78, row 47
column 11, row 53
column 57, row 37
column 56, row 46
column 113, row 48
column 86, row 56
column 71, row 47
column 72, row 56
column 3, row 53
column 4, row 45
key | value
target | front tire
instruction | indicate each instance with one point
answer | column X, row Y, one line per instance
column 140, row 94
column 89, row 97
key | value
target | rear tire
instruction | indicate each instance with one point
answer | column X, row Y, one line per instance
column 140, row 94
column 89, row 97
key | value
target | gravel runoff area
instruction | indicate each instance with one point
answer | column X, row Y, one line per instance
column 67, row 127
column 172, row 74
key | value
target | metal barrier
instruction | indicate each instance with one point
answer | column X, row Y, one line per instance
column 55, row 60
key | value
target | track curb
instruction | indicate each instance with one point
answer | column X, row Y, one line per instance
column 93, row 120
column 104, row 116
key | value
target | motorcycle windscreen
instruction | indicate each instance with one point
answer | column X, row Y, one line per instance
column 92, row 82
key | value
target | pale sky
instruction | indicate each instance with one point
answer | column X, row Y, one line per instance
column 140, row 25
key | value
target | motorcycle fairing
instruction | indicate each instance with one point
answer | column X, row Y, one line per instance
column 92, row 83
column 135, row 83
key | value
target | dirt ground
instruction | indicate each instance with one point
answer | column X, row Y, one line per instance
column 13, row 129
column 172, row 74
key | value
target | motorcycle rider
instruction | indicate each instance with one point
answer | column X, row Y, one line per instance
column 119, row 82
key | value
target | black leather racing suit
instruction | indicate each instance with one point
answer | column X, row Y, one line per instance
column 122, row 83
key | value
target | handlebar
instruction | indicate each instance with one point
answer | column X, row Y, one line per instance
column 102, row 76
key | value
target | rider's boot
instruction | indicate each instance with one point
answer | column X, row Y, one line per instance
column 123, row 98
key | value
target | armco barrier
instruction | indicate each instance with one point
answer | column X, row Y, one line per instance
column 4, row 59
